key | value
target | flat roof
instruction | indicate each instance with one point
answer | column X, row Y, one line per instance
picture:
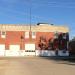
column 34, row 28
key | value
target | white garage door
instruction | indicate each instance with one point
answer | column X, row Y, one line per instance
column 15, row 47
column 30, row 49
column 14, row 50
column 29, row 46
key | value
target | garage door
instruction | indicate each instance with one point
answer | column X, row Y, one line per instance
column 30, row 49
column 15, row 47
column 13, row 50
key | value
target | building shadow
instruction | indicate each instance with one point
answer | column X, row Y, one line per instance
column 61, row 59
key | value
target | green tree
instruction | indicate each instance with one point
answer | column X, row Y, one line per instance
column 73, row 39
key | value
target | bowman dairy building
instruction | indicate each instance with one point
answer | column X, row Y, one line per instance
column 34, row 40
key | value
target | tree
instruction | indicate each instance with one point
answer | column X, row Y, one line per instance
column 73, row 39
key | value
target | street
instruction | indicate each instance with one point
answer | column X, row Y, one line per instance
column 35, row 66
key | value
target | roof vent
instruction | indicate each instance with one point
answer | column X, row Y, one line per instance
column 52, row 24
column 42, row 23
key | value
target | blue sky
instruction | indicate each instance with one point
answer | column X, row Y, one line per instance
column 58, row 12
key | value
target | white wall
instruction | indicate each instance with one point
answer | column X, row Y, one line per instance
column 29, row 53
column 2, row 49
column 45, row 53
column 38, row 52
column 11, row 53
column 61, row 53
column 51, row 53
column 14, row 50
column 22, row 53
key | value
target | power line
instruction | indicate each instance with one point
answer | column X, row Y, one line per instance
column 51, row 4
column 57, row 4
column 22, row 13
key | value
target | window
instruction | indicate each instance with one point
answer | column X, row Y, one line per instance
column 26, row 34
column 33, row 35
column 64, row 35
column 56, row 35
column 3, row 34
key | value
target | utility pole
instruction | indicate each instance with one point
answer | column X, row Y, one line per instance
column 30, row 13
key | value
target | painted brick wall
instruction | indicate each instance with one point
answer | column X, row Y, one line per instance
column 47, row 35
column 16, row 38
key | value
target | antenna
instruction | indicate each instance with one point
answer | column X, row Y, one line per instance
column 30, row 14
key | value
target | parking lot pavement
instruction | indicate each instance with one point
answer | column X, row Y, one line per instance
column 35, row 66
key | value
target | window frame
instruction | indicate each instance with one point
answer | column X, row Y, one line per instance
column 3, row 34
column 27, row 34
column 33, row 35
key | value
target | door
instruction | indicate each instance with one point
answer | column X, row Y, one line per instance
column 30, row 49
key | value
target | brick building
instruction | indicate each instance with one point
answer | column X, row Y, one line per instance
column 40, row 40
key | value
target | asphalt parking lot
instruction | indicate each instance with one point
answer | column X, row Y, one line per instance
column 35, row 66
